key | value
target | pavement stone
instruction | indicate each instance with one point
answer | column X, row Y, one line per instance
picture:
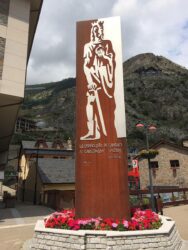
column 179, row 215
column 23, row 217
column 26, row 245
column 17, row 224
column 185, row 245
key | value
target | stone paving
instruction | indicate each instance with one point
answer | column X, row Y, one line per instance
column 180, row 215
column 17, row 224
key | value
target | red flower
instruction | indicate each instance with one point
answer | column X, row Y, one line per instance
column 66, row 220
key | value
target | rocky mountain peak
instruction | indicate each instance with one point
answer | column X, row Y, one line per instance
column 148, row 63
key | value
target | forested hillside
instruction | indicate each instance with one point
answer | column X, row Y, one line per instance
column 156, row 91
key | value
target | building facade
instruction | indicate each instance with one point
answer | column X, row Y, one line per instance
column 169, row 167
column 56, row 183
column 46, row 171
column 24, row 124
column 18, row 21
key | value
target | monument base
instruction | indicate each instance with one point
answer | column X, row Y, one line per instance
column 166, row 237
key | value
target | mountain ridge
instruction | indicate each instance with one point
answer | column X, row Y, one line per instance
column 156, row 91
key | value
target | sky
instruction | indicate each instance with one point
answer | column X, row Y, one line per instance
column 156, row 26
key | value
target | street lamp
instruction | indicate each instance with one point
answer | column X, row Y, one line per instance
column 36, row 171
column 148, row 128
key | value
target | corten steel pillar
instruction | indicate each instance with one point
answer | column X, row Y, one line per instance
column 101, row 147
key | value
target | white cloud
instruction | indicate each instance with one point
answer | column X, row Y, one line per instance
column 153, row 26
column 158, row 26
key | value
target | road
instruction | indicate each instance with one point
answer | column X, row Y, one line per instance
column 180, row 215
column 17, row 224
column 14, row 238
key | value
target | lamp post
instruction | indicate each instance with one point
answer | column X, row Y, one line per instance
column 36, row 170
column 148, row 128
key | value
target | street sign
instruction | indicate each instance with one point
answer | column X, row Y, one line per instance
column 135, row 163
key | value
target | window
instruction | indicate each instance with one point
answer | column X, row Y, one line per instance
column 174, row 163
column 154, row 164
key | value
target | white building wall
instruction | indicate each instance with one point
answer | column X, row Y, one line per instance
column 15, row 55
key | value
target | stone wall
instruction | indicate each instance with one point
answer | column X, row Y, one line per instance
column 167, row 237
column 164, row 174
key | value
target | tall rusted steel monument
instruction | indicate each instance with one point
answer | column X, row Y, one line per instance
column 101, row 150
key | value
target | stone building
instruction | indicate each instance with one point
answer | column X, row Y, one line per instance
column 169, row 167
column 45, row 168
column 18, row 21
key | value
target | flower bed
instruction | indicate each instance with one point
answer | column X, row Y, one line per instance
column 141, row 220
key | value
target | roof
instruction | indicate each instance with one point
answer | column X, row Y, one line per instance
column 54, row 171
column 32, row 145
column 163, row 142
column 185, row 138
column 35, row 10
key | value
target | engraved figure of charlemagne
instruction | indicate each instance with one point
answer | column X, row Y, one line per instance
column 99, row 69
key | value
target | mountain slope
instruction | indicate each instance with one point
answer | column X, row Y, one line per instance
column 156, row 91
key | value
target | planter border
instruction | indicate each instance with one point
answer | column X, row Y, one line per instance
column 166, row 237
column 166, row 228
